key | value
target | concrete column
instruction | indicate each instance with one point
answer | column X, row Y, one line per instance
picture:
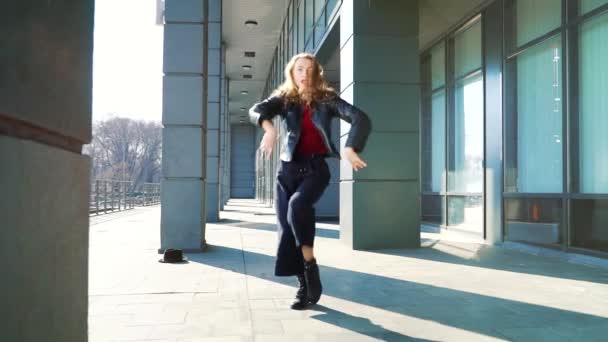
column 45, row 119
column 184, row 136
column 223, row 95
column 228, row 171
column 214, row 49
column 380, row 205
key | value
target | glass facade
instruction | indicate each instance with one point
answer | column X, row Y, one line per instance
column 539, row 119
column 593, row 106
column 554, row 114
column 452, row 131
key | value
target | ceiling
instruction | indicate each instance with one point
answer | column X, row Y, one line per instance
column 239, row 38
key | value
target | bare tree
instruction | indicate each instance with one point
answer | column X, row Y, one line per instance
column 125, row 149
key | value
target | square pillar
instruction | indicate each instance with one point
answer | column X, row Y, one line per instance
column 184, row 126
column 379, row 73
column 214, row 52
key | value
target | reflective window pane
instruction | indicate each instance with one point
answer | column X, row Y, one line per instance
column 438, row 141
column 465, row 213
column 438, row 65
column 301, row 27
column 535, row 18
column 467, row 46
column 536, row 220
column 593, row 101
column 309, row 19
column 319, row 7
column 590, row 224
column 433, row 209
column 466, row 141
column 539, row 119
column 331, row 5
column 433, row 144
column 589, row 5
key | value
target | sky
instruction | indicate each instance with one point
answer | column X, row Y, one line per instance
column 127, row 60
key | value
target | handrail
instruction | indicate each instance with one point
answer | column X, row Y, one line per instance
column 113, row 195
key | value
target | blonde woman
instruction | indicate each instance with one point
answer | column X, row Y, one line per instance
column 306, row 106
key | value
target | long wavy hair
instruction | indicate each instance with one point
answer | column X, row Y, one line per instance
column 319, row 89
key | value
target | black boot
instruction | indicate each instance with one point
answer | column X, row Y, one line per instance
column 313, row 281
column 301, row 300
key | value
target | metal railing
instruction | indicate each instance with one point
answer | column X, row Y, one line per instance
column 112, row 195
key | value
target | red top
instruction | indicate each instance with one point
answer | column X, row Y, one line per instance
column 311, row 141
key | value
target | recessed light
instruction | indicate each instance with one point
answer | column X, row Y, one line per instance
column 250, row 54
column 246, row 67
column 244, row 92
column 251, row 23
column 247, row 76
column 243, row 109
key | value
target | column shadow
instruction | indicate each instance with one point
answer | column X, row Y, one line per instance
column 474, row 312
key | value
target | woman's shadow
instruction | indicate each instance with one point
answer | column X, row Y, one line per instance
column 359, row 325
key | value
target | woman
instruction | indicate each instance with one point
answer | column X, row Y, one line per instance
column 306, row 106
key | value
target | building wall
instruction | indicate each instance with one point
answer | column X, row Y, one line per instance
column 45, row 118
column 543, row 79
column 242, row 164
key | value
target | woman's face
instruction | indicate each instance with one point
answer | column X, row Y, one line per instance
column 303, row 73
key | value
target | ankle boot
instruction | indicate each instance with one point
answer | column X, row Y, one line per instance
column 301, row 300
column 313, row 281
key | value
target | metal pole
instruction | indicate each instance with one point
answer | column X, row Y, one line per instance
column 124, row 195
column 96, row 197
column 105, row 197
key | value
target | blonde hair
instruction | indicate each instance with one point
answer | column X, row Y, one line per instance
column 320, row 90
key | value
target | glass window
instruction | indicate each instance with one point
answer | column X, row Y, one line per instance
column 437, row 141
column 438, row 66
column 536, row 220
column 301, row 27
column 433, row 209
column 319, row 7
column 309, row 19
column 468, row 50
column 465, row 212
column 589, row 5
column 331, row 5
column 294, row 41
column 539, row 119
column 590, row 224
column 593, row 101
column 466, row 145
column 280, row 51
column 535, row 18
column 319, row 32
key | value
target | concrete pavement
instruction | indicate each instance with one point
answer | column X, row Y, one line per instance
column 450, row 290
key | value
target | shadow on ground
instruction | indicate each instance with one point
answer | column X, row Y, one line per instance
column 473, row 312
column 321, row 232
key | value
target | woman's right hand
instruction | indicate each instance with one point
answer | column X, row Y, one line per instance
column 268, row 140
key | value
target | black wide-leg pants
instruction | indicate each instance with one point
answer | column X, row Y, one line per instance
column 300, row 184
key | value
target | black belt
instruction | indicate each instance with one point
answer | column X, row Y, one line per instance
column 308, row 157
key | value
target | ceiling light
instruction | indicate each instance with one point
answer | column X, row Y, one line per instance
column 246, row 67
column 243, row 109
column 250, row 54
column 244, row 92
column 251, row 23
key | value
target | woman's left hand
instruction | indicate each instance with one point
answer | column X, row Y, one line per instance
column 354, row 159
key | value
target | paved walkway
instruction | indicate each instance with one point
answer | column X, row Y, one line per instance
column 446, row 291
